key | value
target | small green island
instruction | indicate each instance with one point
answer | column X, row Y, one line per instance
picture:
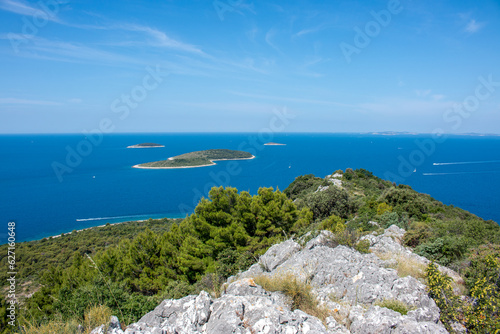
column 197, row 159
column 146, row 145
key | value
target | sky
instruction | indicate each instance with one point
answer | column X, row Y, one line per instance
column 247, row 66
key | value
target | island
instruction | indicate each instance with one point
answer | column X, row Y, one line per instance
column 274, row 144
column 145, row 145
column 197, row 159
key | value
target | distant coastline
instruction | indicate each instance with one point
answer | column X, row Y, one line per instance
column 146, row 145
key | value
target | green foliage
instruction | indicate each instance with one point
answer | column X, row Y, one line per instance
column 303, row 185
column 393, row 218
column 406, row 200
column 333, row 223
column 482, row 277
column 383, row 208
column 417, row 233
column 482, row 314
column 395, row 305
column 441, row 290
column 443, row 250
column 363, row 246
column 224, row 235
column 35, row 257
column 332, row 201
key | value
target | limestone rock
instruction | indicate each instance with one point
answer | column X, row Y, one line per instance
column 348, row 284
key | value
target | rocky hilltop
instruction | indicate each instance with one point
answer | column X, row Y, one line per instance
column 350, row 288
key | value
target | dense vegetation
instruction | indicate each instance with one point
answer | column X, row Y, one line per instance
column 199, row 158
column 226, row 233
column 230, row 230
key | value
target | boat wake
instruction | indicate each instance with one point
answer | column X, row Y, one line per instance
column 104, row 218
column 458, row 173
column 465, row 163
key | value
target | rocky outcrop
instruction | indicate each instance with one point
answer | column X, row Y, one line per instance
column 350, row 285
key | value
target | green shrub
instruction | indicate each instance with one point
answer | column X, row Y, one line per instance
column 333, row 224
column 303, row 185
column 441, row 290
column 393, row 218
column 363, row 246
column 333, row 201
column 383, row 208
column 404, row 199
column 483, row 279
column 444, row 250
column 395, row 305
column 418, row 233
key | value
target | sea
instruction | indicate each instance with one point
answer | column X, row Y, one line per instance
column 53, row 184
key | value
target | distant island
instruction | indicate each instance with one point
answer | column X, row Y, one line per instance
column 274, row 144
column 146, row 145
column 197, row 159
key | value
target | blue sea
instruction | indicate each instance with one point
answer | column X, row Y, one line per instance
column 52, row 184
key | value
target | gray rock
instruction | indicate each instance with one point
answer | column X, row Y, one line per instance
column 113, row 327
column 390, row 244
column 185, row 315
column 322, row 188
column 323, row 239
column 335, row 179
column 346, row 282
column 278, row 254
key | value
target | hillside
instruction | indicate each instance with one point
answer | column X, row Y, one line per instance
column 197, row 159
column 231, row 231
column 314, row 286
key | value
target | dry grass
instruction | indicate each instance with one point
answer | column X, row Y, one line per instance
column 405, row 265
column 300, row 294
column 94, row 317
column 53, row 327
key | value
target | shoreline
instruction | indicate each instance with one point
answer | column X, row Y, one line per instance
column 212, row 164
column 89, row 228
column 137, row 146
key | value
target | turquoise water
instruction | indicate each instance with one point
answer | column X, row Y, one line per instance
column 98, row 185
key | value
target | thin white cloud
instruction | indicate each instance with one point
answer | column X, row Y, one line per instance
column 160, row 39
column 473, row 26
column 308, row 31
column 71, row 52
column 252, row 34
column 23, row 8
column 422, row 92
column 289, row 99
column 270, row 37
column 12, row 101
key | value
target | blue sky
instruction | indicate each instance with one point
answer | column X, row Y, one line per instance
column 230, row 65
